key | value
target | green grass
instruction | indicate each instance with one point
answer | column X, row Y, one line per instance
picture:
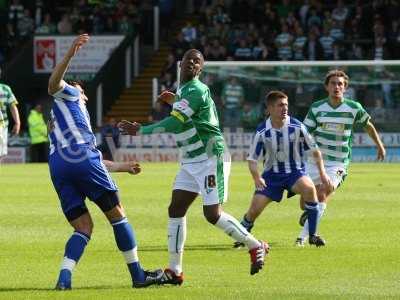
column 361, row 226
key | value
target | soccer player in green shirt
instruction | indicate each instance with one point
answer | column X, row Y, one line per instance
column 7, row 99
column 331, row 121
column 204, row 169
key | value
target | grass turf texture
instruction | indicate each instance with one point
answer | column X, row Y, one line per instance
column 361, row 226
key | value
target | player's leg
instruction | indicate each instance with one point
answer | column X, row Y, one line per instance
column 305, row 187
column 258, row 203
column 125, row 238
column 213, row 181
column 336, row 175
column 97, row 185
column 3, row 142
column 79, row 218
column 180, row 202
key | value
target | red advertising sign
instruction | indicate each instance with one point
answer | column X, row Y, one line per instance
column 45, row 55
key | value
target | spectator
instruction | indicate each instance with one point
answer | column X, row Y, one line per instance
column 15, row 12
column 312, row 48
column 189, row 33
column 340, row 12
column 25, row 25
column 64, row 26
column 83, row 25
column 232, row 97
column 298, row 44
column 179, row 46
column 260, row 50
column 168, row 83
column 38, row 135
column 327, row 41
column 283, row 43
column 47, row 27
column 220, row 16
column 243, row 52
column 313, row 20
column 125, row 25
column 169, row 66
column 336, row 31
column 215, row 51
column 303, row 11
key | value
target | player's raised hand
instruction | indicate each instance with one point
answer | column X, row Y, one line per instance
column 167, row 97
column 127, row 127
column 78, row 43
column 381, row 153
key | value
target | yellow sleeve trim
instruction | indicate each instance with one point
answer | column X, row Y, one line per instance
column 178, row 116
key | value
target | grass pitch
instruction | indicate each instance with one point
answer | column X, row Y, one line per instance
column 361, row 226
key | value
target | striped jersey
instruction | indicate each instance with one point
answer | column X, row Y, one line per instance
column 283, row 150
column 332, row 128
column 70, row 121
column 201, row 136
column 6, row 99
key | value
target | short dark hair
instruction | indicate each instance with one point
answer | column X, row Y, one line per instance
column 274, row 96
column 75, row 83
column 337, row 73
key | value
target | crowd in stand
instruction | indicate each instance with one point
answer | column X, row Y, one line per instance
column 239, row 30
column 293, row 30
column 20, row 19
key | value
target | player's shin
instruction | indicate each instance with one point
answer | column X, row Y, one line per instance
column 73, row 251
column 236, row 230
column 305, row 232
column 176, row 242
column 126, row 242
column 312, row 213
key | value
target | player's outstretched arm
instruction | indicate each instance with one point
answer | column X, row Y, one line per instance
column 169, row 124
column 370, row 129
column 131, row 167
column 56, row 78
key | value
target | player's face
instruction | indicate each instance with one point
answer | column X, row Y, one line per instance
column 83, row 97
column 336, row 87
column 191, row 65
column 279, row 109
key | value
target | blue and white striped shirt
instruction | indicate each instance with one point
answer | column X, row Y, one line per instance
column 70, row 120
column 282, row 149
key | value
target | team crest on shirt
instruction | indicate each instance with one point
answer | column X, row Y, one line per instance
column 181, row 105
column 333, row 127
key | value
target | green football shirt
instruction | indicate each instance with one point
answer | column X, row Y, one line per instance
column 6, row 99
column 333, row 127
column 200, row 136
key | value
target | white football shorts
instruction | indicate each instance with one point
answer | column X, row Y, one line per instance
column 336, row 174
column 208, row 178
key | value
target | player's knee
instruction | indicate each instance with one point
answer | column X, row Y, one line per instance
column 211, row 213
column 107, row 201
column 85, row 226
column 176, row 211
column 309, row 193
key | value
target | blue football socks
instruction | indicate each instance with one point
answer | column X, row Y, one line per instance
column 312, row 211
column 126, row 242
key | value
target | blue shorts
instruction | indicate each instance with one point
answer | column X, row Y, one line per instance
column 74, row 178
column 277, row 183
